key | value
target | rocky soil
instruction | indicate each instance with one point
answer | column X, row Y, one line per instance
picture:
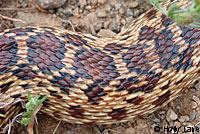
column 103, row 18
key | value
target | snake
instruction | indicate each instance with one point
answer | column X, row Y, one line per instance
column 99, row 80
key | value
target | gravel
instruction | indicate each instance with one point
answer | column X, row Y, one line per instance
column 171, row 115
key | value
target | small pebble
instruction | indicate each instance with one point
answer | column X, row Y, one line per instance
column 133, row 4
column 107, row 8
column 106, row 33
column 88, row 7
column 98, row 26
column 94, row 2
column 106, row 24
column 49, row 4
column 197, row 86
column 184, row 119
column 68, row 12
column 118, row 6
column 102, row 1
column 123, row 22
column 196, row 99
column 75, row 12
column 178, row 107
column 192, row 90
column 129, row 12
column 102, row 14
column 193, row 115
column 82, row 3
column 171, row 115
column 130, row 130
column 194, row 105
column 136, row 13
column 92, row 29
column 156, row 120
column 122, row 11
column 116, row 27
column 177, row 124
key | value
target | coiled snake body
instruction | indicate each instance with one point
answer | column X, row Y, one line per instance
column 99, row 80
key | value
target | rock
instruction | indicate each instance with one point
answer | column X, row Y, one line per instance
column 194, row 105
column 116, row 26
column 49, row 4
column 133, row 4
column 92, row 17
column 76, row 12
column 156, row 120
column 106, row 33
column 193, row 115
column 123, row 22
column 82, row 3
column 117, row 6
column 136, row 13
column 171, row 115
column 197, row 86
column 192, row 90
column 196, row 99
column 106, row 24
column 107, row 8
column 177, row 124
column 178, row 107
column 68, row 12
column 93, row 2
column 102, row 1
column 184, row 119
column 129, row 12
column 98, row 26
column 129, row 19
column 88, row 7
column 92, row 29
column 102, row 14
column 122, row 11
column 130, row 130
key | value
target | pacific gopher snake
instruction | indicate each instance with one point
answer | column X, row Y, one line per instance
column 99, row 80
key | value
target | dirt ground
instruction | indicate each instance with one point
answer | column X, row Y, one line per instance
column 92, row 18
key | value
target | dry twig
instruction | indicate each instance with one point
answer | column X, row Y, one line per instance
column 11, row 19
column 31, row 122
column 38, row 7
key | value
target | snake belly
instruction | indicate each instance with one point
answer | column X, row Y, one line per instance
column 99, row 80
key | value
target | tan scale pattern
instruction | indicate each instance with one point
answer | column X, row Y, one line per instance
column 99, row 80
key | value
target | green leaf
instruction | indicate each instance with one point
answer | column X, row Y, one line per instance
column 30, row 106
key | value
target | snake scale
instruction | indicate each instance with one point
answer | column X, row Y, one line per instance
column 89, row 79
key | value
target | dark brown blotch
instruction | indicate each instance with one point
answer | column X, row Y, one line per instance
column 76, row 111
column 57, row 115
column 16, row 96
column 5, row 87
column 151, row 14
column 162, row 99
column 147, row 33
column 46, row 51
column 166, row 86
column 114, row 48
column 136, row 100
column 118, row 114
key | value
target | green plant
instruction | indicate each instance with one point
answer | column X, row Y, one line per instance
column 189, row 16
column 30, row 106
